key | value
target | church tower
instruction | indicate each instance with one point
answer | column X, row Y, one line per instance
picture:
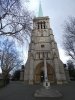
column 42, row 46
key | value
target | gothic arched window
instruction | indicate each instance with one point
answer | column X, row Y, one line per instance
column 42, row 46
column 44, row 25
column 41, row 25
column 38, row 25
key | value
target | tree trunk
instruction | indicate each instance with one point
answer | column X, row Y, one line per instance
column 5, row 75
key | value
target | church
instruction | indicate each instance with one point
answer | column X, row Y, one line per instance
column 43, row 51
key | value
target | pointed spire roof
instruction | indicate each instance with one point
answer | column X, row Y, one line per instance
column 40, row 14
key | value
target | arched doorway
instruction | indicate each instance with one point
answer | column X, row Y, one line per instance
column 39, row 73
column 42, row 76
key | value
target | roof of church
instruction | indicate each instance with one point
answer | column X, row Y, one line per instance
column 40, row 14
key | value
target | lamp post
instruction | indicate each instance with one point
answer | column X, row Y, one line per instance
column 46, row 83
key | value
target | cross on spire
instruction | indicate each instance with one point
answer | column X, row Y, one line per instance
column 40, row 14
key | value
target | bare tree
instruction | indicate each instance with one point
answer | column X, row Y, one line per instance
column 69, row 37
column 9, row 58
column 70, row 65
column 71, row 69
column 14, row 20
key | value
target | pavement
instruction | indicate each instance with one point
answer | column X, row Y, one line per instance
column 21, row 91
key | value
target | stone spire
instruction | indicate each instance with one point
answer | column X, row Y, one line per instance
column 40, row 14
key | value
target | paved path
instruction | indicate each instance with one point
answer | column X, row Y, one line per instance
column 20, row 91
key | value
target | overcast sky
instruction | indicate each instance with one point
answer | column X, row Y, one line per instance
column 58, row 11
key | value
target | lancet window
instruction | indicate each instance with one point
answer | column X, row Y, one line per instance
column 38, row 25
column 42, row 25
column 42, row 46
column 41, row 55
